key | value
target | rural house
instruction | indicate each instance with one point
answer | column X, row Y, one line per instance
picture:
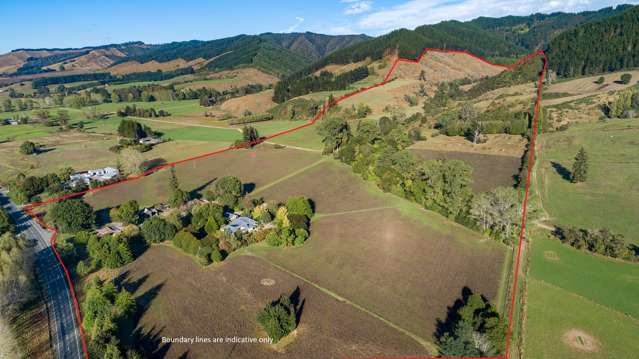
column 243, row 224
column 99, row 175
column 150, row 140
column 111, row 228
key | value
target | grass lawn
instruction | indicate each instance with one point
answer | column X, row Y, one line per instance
column 553, row 314
column 610, row 196
column 614, row 284
column 24, row 132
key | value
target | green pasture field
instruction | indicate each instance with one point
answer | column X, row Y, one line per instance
column 305, row 138
column 552, row 313
column 610, row 196
column 612, row 283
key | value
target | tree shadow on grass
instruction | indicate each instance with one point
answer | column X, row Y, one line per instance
column 155, row 162
column 298, row 303
column 147, row 342
column 197, row 191
column 561, row 170
column 248, row 187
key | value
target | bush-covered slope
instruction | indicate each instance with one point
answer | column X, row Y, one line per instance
column 536, row 30
column 607, row 45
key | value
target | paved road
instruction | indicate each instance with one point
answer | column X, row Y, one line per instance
column 63, row 323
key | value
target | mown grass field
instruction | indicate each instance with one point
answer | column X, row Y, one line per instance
column 614, row 284
column 552, row 313
column 610, row 196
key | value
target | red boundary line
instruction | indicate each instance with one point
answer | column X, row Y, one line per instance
column 29, row 207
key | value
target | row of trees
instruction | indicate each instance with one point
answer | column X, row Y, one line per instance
column 624, row 105
column 141, row 112
column 469, row 122
column 24, row 189
column 133, row 129
column 326, row 81
column 378, row 153
column 601, row 241
column 104, row 308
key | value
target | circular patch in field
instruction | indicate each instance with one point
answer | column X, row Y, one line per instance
column 581, row 341
column 267, row 282
column 551, row 255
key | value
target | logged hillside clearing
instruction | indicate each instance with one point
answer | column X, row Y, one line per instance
column 255, row 103
column 134, row 66
column 95, row 60
column 445, row 67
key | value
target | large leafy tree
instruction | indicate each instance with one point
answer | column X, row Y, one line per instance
column 72, row 215
column 278, row 318
column 498, row 212
column 335, row 133
column 156, row 230
column 227, row 190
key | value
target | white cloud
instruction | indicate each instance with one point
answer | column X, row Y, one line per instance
column 357, row 7
column 299, row 21
column 419, row 12
column 340, row 30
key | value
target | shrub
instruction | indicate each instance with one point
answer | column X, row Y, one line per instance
column 625, row 79
column 187, row 242
column 278, row 318
column 28, row 148
column 299, row 205
column 600, row 80
column 156, row 230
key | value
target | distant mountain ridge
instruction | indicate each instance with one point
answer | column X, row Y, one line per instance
column 279, row 54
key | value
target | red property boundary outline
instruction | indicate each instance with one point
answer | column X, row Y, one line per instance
column 29, row 207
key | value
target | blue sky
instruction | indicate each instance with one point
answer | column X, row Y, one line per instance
column 72, row 23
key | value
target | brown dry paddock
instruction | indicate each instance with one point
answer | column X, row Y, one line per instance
column 257, row 167
column 489, row 171
column 395, row 266
column 185, row 300
column 331, row 186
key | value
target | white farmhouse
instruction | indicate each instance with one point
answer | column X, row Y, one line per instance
column 99, row 175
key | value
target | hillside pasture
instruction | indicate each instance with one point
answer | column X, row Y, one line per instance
column 223, row 300
column 489, row 171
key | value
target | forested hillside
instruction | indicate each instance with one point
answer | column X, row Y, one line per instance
column 536, row 30
column 311, row 45
column 606, row 45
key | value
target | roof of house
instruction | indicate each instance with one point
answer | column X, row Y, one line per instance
column 241, row 223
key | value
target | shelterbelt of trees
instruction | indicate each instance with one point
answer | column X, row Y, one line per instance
column 378, row 152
